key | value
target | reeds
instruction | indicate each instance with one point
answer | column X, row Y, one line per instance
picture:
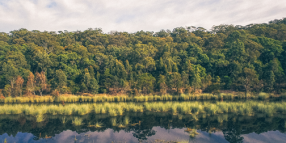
column 141, row 98
column 118, row 109
column 77, row 121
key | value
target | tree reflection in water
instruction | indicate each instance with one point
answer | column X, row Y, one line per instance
column 141, row 125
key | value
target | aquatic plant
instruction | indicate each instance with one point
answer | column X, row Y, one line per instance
column 40, row 118
column 97, row 125
column 114, row 109
column 121, row 125
column 193, row 133
column 113, row 121
column 141, row 98
column 126, row 121
column 77, row 121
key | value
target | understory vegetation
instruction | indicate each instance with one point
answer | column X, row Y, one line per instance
column 186, row 60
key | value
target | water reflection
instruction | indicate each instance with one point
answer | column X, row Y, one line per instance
column 144, row 127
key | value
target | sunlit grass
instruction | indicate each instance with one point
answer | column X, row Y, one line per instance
column 68, row 98
column 248, row 108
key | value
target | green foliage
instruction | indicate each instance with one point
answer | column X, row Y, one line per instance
column 246, row 58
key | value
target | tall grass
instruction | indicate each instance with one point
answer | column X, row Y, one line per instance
column 118, row 109
column 141, row 98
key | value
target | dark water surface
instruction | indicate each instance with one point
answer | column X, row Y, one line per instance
column 145, row 127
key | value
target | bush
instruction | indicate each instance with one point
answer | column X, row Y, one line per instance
column 263, row 96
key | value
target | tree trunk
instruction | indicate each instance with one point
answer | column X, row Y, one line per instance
column 40, row 92
column 245, row 92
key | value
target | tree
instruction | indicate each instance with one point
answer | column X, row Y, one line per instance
column 161, row 82
column 19, row 85
column 120, row 61
column 11, row 73
column 93, row 87
column 86, row 78
column 61, row 80
column 41, row 83
column 30, row 87
column 107, row 78
column 249, row 79
column 175, row 81
column 270, row 80
column 196, row 82
column 145, row 82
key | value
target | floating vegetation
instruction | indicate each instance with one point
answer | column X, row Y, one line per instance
column 97, row 125
column 120, row 125
column 193, row 133
column 188, row 129
column 134, row 124
column 77, row 121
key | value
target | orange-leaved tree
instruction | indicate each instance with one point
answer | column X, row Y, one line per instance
column 30, row 88
column 19, row 85
column 41, row 83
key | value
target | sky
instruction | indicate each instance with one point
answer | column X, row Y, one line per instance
column 134, row 15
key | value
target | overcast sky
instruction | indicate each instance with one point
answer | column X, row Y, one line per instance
column 134, row 15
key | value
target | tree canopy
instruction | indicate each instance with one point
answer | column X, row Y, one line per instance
column 186, row 59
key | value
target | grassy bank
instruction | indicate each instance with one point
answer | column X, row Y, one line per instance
column 118, row 109
column 142, row 98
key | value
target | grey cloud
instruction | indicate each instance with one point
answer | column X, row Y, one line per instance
column 134, row 15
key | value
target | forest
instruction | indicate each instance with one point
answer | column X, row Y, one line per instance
column 249, row 58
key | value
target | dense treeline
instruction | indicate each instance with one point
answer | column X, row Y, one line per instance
column 185, row 60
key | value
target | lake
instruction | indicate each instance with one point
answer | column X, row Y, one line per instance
column 147, row 126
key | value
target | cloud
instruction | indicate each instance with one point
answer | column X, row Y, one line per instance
column 134, row 15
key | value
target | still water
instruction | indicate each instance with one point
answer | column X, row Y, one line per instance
column 144, row 127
